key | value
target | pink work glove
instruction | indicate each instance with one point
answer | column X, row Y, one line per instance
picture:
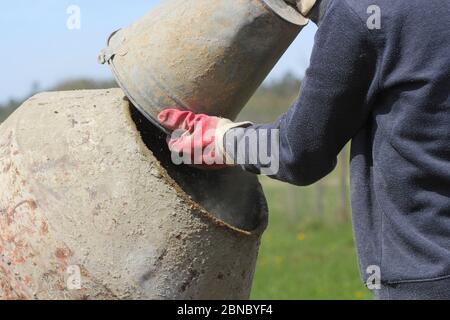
column 198, row 138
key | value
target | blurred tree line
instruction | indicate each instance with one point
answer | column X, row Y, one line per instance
column 8, row 108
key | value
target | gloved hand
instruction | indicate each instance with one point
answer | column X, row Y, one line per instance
column 198, row 137
column 303, row 6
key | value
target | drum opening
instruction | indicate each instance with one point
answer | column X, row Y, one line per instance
column 231, row 195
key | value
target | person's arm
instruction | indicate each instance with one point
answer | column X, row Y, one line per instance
column 332, row 106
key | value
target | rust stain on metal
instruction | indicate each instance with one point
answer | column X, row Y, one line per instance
column 32, row 204
column 10, row 212
column 28, row 281
column 63, row 253
column 11, row 285
column 44, row 228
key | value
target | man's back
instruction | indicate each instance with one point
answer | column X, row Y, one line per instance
column 401, row 158
column 380, row 76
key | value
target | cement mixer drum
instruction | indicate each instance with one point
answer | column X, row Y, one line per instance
column 92, row 208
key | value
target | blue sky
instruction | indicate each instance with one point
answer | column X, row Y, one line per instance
column 38, row 47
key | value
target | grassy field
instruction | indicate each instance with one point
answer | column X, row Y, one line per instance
column 305, row 255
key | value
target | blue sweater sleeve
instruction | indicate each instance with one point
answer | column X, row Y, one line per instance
column 332, row 105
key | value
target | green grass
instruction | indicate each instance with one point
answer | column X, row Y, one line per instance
column 305, row 255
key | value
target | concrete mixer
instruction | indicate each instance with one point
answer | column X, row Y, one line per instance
column 91, row 207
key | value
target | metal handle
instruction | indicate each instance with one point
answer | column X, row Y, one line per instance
column 286, row 12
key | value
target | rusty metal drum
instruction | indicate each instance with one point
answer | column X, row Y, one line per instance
column 201, row 55
column 91, row 207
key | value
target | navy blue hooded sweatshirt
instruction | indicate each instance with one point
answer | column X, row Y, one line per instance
column 386, row 89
